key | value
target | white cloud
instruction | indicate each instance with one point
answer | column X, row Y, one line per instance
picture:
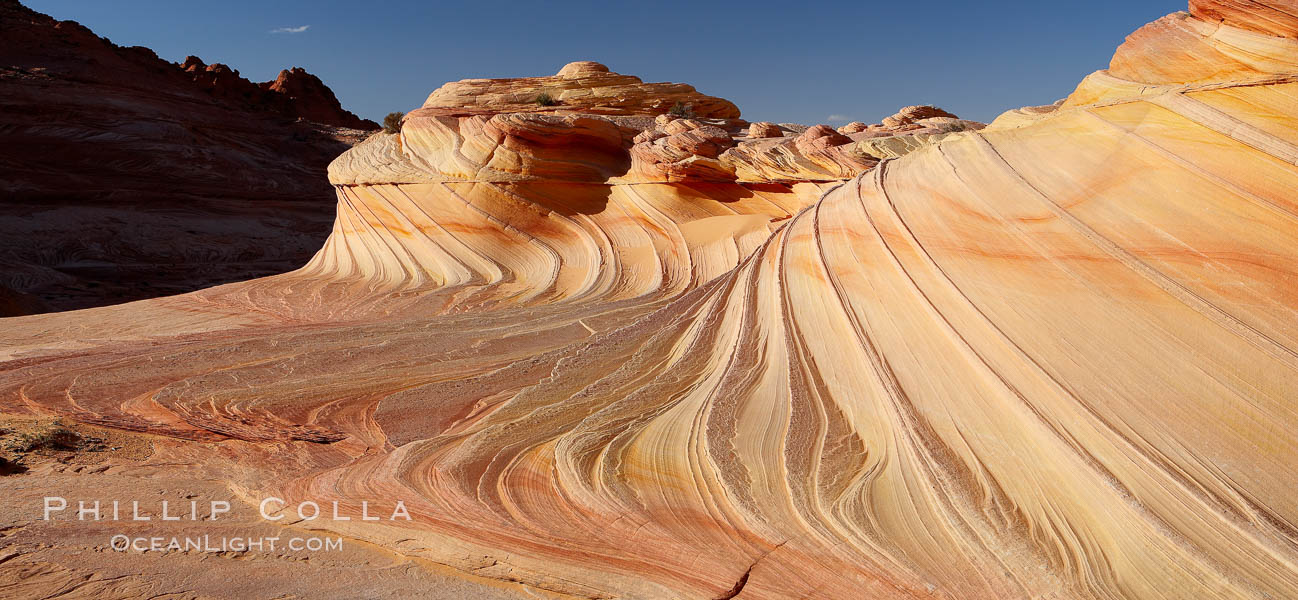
column 838, row 118
column 290, row 29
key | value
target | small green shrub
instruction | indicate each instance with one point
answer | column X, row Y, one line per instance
column 54, row 437
column 392, row 122
column 682, row 110
column 952, row 127
column 545, row 99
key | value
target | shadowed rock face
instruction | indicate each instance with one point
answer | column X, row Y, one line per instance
column 294, row 94
column 310, row 99
column 123, row 176
column 1051, row 358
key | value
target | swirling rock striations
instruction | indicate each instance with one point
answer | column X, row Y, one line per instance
column 610, row 203
column 1267, row 18
column 1053, row 358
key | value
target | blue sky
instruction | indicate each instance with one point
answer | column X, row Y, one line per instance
column 779, row 61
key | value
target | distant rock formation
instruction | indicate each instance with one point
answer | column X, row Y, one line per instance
column 606, row 126
column 124, row 176
column 310, row 99
column 764, row 130
column 585, row 87
column 820, row 153
column 294, row 93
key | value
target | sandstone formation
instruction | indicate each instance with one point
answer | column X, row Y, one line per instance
column 764, row 130
column 681, row 150
column 309, row 98
column 1051, row 358
column 853, row 127
column 820, row 153
column 124, row 176
column 1267, row 18
column 817, row 154
column 912, row 114
column 605, row 127
column 295, row 93
column 583, row 87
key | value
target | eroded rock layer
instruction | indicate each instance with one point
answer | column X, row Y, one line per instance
column 124, row 176
column 583, row 86
column 1052, row 358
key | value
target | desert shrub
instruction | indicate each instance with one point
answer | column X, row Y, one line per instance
column 682, row 110
column 952, row 127
column 392, row 122
column 545, row 99
column 54, row 437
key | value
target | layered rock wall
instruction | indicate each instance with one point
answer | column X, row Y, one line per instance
column 124, row 176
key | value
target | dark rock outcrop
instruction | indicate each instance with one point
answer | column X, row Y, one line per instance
column 124, row 176
column 295, row 93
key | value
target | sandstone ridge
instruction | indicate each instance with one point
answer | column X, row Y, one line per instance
column 584, row 86
column 294, row 93
column 607, row 127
